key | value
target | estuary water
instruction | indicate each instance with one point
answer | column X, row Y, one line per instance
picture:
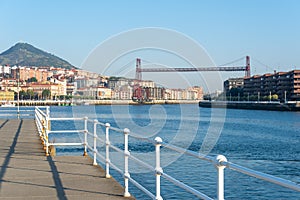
column 267, row 141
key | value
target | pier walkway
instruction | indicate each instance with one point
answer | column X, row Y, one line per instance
column 26, row 173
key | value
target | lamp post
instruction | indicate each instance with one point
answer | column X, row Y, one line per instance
column 285, row 96
column 18, row 90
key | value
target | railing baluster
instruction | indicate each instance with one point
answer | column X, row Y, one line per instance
column 107, row 143
column 126, row 155
column 45, row 126
column 85, row 136
column 220, row 169
column 158, row 169
column 95, row 142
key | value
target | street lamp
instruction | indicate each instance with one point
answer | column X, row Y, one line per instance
column 285, row 96
column 18, row 90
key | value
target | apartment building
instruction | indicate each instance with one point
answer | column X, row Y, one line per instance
column 284, row 84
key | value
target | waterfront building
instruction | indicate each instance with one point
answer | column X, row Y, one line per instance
column 55, row 89
column 103, row 93
column 286, row 85
column 86, row 92
column 231, row 83
column 71, row 89
column 123, row 93
column 7, row 95
column 153, row 93
column 196, row 92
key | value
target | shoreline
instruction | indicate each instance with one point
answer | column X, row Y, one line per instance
column 273, row 106
column 93, row 102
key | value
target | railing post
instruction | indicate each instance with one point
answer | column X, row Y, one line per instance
column 107, row 143
column 48, row 111
column 85, row 136
column 126, row 155
column 220, row 168
column 95, row 142
column 158, row 169
column 45, row 126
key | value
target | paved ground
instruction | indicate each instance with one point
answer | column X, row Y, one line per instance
column 26, row 173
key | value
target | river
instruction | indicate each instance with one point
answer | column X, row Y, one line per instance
column 267, row 141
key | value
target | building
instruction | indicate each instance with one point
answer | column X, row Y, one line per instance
column 103, row 93
column 286, row 85
column 6, row 95
column 233, row 83
column 83, row 82
column 123, row 93
column 26, row 73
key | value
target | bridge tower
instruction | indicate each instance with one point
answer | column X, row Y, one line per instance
column 138, row 70
column 247, row 72
column 137, row 89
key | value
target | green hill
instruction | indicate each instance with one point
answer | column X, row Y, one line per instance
column 24, row 54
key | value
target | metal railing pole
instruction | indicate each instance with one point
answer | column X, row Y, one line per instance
column 107, row 143
column 46, row 134
column 158, row 169
column 220, row 169
column 85, row 136
column 95, row 142
column 126, row 155
column 48, row 111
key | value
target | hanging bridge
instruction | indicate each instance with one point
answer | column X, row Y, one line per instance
column 137, row 94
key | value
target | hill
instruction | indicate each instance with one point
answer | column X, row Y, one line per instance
column 24, row 54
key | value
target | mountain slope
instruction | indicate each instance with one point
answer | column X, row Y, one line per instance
column 24, row 54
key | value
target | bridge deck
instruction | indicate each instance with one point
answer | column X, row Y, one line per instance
column 27, row 174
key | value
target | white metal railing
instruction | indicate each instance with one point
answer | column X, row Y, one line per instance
column 220, row 161
column 18, row 112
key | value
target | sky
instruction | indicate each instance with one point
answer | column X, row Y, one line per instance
column 266, row 30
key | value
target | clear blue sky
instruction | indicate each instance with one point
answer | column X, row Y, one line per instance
column 267, row 30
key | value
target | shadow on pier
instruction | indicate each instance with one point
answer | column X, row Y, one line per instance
column 26, row 173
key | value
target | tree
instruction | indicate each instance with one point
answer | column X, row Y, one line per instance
column 32, row 79
column 30, row 94
column 274, row 97
column 22, row 94
column 46, row 94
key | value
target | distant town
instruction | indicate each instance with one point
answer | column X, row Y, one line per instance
column 50, row 83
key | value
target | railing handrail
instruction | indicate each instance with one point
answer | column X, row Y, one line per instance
column 17, row 112
column 220, row 162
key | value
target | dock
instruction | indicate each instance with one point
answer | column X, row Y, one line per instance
column 26, row 173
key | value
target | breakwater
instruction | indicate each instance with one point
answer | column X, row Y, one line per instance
column 276, row 106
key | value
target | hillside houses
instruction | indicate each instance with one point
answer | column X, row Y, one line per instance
column 56, row 83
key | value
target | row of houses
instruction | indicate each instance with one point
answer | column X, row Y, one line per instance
column 285, row 85
column 82, row 84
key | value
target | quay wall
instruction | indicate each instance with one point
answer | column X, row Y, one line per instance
column 276, row 106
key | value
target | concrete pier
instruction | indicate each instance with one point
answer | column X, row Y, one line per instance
column 26, row 173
